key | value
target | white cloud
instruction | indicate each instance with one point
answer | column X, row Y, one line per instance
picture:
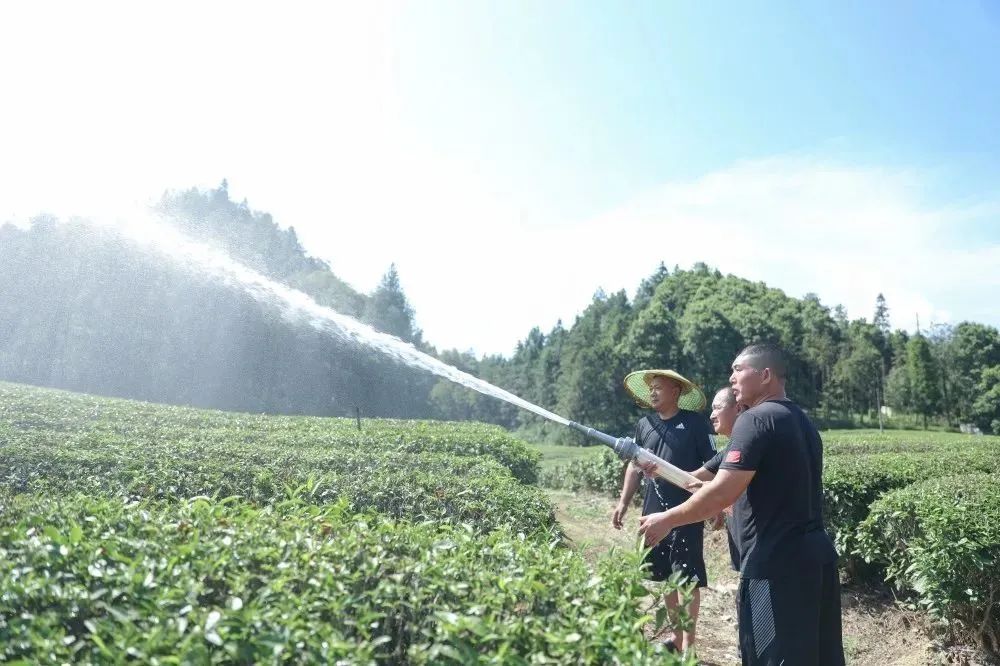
column 479, row 278
column 803, row 225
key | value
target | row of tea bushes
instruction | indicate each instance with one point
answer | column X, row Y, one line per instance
column 424, row 486
column 471, row 473
column 863, row 442
column 95, row 580
column 601, row 473
column 852, row 483
column 939, row 541
column 45, row 415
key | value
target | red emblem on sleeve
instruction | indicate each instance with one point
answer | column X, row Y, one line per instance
column 733, row 457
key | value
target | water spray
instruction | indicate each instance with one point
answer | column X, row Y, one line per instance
column 148, row 231
column 629, row 451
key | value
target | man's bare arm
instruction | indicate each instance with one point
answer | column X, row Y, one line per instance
column 631, row 483
column 705, row 503
column 703, row 474
column 629, row 486
column 711, row 498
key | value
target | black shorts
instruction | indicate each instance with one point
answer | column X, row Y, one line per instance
column 682, row 552
column 793, row 620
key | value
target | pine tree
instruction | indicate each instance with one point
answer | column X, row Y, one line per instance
column 924, row 390
column 881, row 317
column 389, row 311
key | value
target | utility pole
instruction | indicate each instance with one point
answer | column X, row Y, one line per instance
column 878, row 406
column 880, row 392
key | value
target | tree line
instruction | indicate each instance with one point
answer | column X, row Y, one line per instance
column 846, row 372
column 87, row 312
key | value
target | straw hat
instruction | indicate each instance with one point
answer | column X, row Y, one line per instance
column 637, row 384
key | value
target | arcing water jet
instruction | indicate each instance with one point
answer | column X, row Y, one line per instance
column 147, row 231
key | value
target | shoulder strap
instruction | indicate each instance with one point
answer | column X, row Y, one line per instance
column 658, row 426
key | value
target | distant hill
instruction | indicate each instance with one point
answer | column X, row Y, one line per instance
column 85, row 311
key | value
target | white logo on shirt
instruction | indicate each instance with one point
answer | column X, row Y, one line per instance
column 680, row 426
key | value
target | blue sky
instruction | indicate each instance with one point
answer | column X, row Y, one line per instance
column 513, row 157
column 573, row 108
column 607, row 99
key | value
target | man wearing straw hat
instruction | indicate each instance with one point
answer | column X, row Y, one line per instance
column 681, row 436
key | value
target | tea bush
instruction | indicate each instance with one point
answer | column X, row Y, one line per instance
column 939, row 540
column 601, row 473
column 852, row 483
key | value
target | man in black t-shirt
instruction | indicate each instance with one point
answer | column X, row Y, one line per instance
column 789, row 596
column 681, row 437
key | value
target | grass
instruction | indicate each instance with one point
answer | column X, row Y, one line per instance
column 558, row 454
column 586, row 521
column 905, row 435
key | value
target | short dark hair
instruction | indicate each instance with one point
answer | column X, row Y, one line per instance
column 762, row 355
column 730, row 395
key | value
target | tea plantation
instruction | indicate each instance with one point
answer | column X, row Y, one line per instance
column 164, row 535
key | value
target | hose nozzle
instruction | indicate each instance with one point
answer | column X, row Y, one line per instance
column 629, row 451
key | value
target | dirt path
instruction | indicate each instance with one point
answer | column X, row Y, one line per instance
column 876, row 631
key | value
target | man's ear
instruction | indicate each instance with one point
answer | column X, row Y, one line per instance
column 765, row 375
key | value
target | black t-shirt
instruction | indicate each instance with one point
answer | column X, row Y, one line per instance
column 731, row 529
column 778, row 521
column 716, row 462
column 683, row 440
